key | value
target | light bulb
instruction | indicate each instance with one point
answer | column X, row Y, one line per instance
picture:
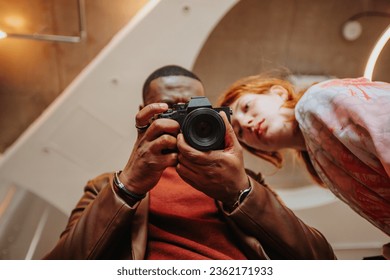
column 352, row 30
column 3, row 34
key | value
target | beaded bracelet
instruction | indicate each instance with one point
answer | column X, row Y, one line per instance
column 122, row 187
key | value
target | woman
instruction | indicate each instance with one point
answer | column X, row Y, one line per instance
column 340, row 127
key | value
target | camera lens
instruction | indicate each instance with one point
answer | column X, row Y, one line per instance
column 204, row 129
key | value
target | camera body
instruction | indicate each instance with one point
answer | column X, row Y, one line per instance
column 202, row 126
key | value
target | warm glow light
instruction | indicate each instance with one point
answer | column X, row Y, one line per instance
column 14, row 21
column 3, row 34
column 375, row 53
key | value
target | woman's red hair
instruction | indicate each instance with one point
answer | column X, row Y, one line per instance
column 260, row 84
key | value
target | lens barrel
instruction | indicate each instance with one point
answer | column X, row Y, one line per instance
column 204, row 129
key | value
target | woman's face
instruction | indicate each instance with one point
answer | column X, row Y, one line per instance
column 261, row 121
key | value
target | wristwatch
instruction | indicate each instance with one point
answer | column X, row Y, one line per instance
column 243, row 194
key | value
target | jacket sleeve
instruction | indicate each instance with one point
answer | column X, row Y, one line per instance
column 100, row 225
column 268, row 229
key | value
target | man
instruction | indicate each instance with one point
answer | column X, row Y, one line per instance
column 185, row 203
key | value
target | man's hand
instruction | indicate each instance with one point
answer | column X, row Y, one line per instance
column 148, row 160
column 220, row 174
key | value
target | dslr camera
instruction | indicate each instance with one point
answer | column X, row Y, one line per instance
column 202, row 127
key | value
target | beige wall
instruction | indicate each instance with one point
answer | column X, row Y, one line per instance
column 303, row 36
column 34, row 73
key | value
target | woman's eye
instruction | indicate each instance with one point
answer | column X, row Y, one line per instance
column 246, row 107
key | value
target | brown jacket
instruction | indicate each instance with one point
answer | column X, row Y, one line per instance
column 103, row 226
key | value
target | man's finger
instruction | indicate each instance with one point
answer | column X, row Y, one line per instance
column 144, row 116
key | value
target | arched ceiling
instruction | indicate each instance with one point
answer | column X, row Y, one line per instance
column 303, row 36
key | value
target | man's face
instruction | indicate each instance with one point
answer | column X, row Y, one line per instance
column 173, row 89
